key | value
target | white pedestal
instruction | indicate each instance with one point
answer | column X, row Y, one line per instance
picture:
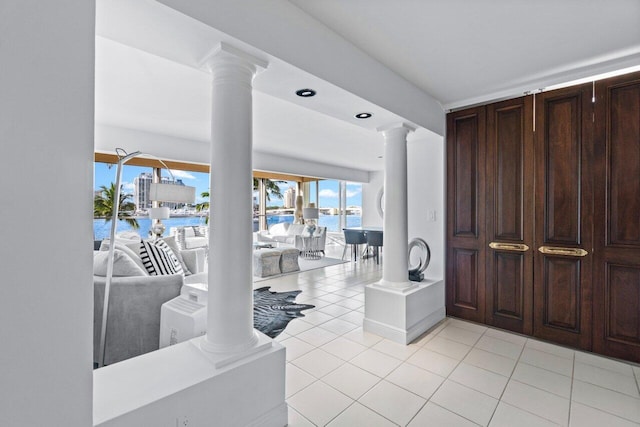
column 403, row 315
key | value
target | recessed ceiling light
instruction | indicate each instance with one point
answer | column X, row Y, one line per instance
column 305, row 93
column 363, row 115
column 379, row 157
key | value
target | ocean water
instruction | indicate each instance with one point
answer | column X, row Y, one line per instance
column 101, row 228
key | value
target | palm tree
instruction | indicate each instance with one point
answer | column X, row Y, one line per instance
column 271, row 186
column 103, row 206
column 203, row 206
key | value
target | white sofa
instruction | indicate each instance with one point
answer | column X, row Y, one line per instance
column 285, row 233
column 136, row 297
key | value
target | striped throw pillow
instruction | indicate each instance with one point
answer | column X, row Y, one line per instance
column 158, row 258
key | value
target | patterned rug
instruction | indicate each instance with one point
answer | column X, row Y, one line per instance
column 272, row 311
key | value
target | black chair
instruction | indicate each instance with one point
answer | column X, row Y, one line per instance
column 374, row 240
column 353, row 238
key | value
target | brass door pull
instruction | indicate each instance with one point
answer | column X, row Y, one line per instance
column 516, row 247
column 555, row 250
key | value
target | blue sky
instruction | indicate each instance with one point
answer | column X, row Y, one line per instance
column 328, row 189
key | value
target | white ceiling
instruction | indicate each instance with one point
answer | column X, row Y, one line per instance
column 148, row 74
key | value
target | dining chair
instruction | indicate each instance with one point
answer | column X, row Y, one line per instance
column 375, row 240
column 353, row 238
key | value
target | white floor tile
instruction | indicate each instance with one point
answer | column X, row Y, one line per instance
column 296, row 347
column 332, row 298
column 470, row 326
column 297, row 420
column 490, row 361
column 375, row 362
column 434, row 362
column 296, row 379
column 538, row 402
column 296, row 326
column 556, row 350
column 354, row 317
column 349, row 303
column 334, row 310
column 359, row 415
column 338, row 327
column 548, row 361
column 317, row 317
column 392, row 402
column 351, row 380
column 318, row 363
column 606, row 400
column 317, row 336
column 603, row 362
column 460, row 335
column 343, row 348
column 543, row 379
column 365, row 338
column 453, row 349
column 506, row 336
column 436, row 416
column 586, row 416
column 510, row 416
column 393, row 349
column 479, row 379
column 319, row 403
column 498, row 346
column 608, row 379
column 468, row 403
column 416, row 380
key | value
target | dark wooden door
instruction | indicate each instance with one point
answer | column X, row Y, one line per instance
column 563, row 218
column 617, row 218
column 509, row 215
column 465, row 268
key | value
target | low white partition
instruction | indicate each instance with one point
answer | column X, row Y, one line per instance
column 180, row 385
column 403, row 315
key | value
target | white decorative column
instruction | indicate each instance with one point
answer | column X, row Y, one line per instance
column 230, row 299
column 395, row 260
column 396, row 308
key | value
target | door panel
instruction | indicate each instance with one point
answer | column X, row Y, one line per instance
column 465, row 214
column 617, row 218
column 509, row 222
column 562, row 280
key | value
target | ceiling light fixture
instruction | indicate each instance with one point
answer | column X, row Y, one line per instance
column 363, row 115
column 306, row 93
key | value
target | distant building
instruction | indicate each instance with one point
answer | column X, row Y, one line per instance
column 142, row 187
column 290, row 198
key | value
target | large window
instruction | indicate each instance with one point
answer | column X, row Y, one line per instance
column 135, row 184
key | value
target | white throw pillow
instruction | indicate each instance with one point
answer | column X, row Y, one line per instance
column 279, row 229
column 123, row 265
column 127, row 249
column 295, row 229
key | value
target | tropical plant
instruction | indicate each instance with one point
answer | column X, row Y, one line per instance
column 103, row 206
column 204, row 205
column 271, row 186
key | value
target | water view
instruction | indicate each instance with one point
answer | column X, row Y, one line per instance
column 101, row 228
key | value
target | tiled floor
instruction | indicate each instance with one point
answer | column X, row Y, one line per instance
column 458, row 374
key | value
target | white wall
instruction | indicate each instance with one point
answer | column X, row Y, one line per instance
column 426, row 181
column 46, row 136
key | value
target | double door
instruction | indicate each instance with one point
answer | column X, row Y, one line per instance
column 519, row 234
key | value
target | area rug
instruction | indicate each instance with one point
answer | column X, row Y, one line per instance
column 272, row 311
column 306, row 265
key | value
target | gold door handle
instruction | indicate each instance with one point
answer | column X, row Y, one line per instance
column 555, row 250
column 515, row 247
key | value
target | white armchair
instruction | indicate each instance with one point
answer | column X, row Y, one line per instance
column 320, row 233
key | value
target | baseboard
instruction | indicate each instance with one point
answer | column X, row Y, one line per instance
column 277, row 417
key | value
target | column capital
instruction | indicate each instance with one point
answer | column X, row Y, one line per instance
column 398, row 127
column 224, row 54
